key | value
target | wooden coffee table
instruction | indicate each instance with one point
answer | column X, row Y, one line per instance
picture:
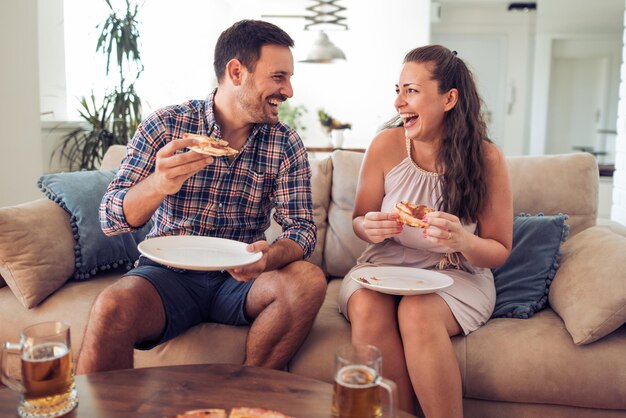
column 166, row 391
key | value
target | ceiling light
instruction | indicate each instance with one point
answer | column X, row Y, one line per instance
column 325, row 16
column 523, row 6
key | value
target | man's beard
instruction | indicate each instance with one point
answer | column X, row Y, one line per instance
column 255, row 106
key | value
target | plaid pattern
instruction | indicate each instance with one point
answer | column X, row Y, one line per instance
column 227, row 199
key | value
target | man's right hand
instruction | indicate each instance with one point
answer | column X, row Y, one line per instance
column 172, row 169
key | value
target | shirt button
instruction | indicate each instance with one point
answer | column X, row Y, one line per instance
column 220, row 205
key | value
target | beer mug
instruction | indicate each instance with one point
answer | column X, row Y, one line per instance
column 358, row 382
column 47, row 385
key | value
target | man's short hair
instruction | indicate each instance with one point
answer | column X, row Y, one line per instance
column 243, row 41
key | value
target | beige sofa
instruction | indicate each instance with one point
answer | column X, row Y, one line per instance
column 510, row 367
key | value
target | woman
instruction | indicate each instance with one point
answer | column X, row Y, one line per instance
column 438, row 155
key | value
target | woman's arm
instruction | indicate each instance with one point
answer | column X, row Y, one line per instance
column 368, row 222
column 491, row 247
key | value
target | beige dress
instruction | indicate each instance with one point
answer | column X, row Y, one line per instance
column 471, row 297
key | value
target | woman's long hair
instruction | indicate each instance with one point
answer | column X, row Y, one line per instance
column 464, row 132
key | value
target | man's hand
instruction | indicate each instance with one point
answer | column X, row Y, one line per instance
column 172, row 170
column 252, row 271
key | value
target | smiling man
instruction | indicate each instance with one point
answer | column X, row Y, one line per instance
column 229, row 196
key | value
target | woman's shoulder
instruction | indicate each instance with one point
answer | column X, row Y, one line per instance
column 389, row 143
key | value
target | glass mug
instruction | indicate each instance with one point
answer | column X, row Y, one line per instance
column 358, row 382
column 47, row 386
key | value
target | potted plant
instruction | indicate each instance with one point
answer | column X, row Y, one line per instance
column 292, row 115
column 333, row 127
column 116, row 119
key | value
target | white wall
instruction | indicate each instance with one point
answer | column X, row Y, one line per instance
column 493, row 21
column 20, row 138
column 618, row 209
column 360, row 90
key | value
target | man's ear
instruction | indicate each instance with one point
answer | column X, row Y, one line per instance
column 452, row 96
column 234, row 71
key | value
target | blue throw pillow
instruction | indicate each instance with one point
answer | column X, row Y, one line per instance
column 523, row 281
column 80, row 193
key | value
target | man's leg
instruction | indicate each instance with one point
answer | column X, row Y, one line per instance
column 125, row 313
column 283, row 304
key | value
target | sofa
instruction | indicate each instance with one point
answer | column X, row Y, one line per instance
column 567, row 358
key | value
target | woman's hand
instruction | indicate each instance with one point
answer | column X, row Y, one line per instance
column 379, row 226
column 446, row 229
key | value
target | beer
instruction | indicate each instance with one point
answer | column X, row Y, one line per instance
column 47, row 376
column 356, row 393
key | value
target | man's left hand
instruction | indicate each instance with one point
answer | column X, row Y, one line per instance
column 252, row 271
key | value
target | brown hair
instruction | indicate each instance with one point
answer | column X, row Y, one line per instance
column 464, row 133
column 243, row 41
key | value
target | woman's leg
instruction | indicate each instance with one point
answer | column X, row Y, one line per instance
column 374, row 321
column 426, row 325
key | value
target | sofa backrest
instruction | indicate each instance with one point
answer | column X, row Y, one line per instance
column 550, row 184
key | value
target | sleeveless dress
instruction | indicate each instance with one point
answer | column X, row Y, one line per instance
column 472, row 295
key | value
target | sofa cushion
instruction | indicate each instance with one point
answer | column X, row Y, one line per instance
column 343, row 247
column 545, row 183
column 80, row 193
column 36, row 250
column 523, row 281
column 320, row 187
column 589, row 290
column 71, row 303
column 535, row 361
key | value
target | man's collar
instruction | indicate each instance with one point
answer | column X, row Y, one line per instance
column 213, row 128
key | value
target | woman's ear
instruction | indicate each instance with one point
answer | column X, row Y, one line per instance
column 234, row 71
column 452, row 96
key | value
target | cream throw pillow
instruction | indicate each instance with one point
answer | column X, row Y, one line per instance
column 589, row 289
column 36, row 249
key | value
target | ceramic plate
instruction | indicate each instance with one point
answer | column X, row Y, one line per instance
column 401, row 280
column 197, row 253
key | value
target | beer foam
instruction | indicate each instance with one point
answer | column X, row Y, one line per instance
column 356, row 376
column 45, row 352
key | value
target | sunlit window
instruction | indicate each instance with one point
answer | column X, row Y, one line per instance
column 176, row 49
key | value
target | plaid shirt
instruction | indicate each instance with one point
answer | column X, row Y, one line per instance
column 230, row 200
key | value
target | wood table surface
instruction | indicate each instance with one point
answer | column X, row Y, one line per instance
column 167, row 391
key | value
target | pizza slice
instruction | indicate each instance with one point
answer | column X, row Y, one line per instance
column 211, row 146
column 204, row 413
column 244, row 412
column 411, row 214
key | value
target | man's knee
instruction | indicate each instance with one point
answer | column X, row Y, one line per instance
column 304, row 285
column 117, row 307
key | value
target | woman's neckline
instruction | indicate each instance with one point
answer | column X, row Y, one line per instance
column 414, row 164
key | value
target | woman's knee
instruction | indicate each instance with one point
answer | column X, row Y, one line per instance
column 418, row 316
column 372, row 313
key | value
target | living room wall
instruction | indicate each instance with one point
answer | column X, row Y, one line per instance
column 21, row 157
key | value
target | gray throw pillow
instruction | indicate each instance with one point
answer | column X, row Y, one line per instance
column 523, row 281
column 80, row 193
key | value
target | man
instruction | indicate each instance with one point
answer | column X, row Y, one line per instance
column 189, row 193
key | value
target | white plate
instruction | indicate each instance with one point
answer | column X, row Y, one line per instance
column 400, row 280
column 197, row 253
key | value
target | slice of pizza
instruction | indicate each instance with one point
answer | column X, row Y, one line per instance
column 411, row 214
column 211, row 146
column 244, row 412
column 204, row 413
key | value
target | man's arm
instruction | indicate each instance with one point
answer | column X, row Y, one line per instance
column 294, row 213
column 146, row 175
column 171, row 171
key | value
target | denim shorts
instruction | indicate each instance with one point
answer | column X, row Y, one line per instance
column 191, row 297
